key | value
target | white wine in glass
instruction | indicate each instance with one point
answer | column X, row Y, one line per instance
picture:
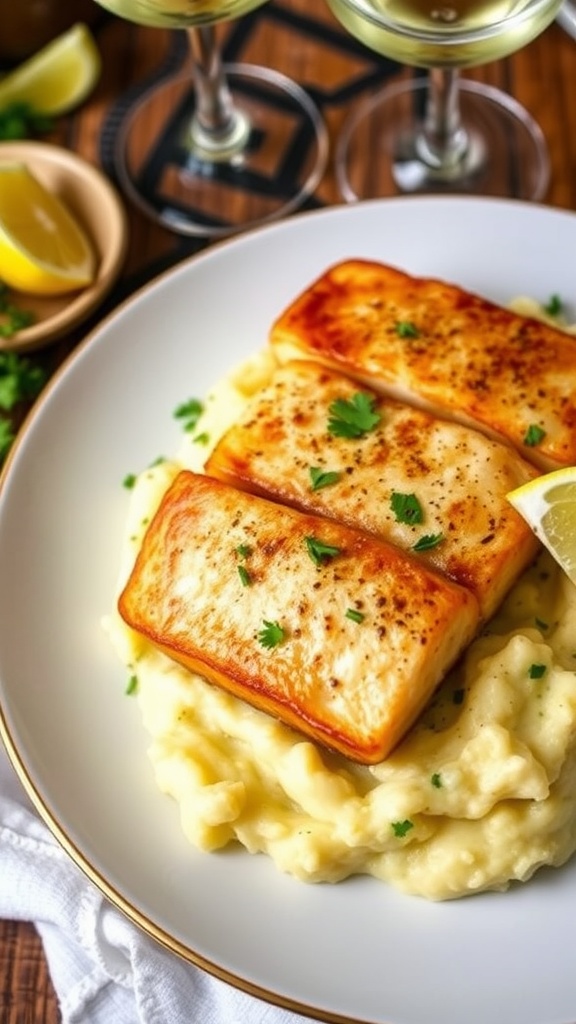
column 211, row 151
column 439, row 132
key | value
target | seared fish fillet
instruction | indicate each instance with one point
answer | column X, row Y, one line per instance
column 438, row 346
column 467, row 529
column 345, row 646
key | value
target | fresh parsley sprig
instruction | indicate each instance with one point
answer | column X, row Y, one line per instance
column 406, row 508
column 353, row 417
column 271, row 634
column 320, row 478
column 319, row 551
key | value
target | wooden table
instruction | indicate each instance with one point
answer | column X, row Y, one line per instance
column 303, row 41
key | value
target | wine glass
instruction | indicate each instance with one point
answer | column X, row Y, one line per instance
column 218, row 148
column 438, row 132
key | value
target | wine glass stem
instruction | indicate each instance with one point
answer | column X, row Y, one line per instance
column 442, row 142
column 218, row 129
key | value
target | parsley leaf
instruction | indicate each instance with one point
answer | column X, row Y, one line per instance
column 190, row 412
column 322, row 478
column 19, row 120
column 244, row 575
column 319, row 551
column 354, row 615
column 271, row 634
column 401, row 828
column 406, row 329
column 428, row 541
column 536, row 671
column 406, row 508
column 20, row 380
column 554, row 306
column 353, row 417
column 6, row 437
column 129, row 481
column 436, row 780
column 534, row 435
column 131, row 686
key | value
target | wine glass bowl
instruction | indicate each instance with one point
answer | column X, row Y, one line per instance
column 219, row 147
column 436, row 132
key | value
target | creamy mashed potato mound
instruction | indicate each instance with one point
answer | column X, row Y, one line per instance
column 480, row 793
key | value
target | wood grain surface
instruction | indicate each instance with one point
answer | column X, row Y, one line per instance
column 302, row 40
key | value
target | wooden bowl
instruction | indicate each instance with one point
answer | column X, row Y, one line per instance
column 95, row 204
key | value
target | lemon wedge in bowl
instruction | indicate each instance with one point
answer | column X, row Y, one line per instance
column 43, row 249
column 56, row 78
column 548, row 504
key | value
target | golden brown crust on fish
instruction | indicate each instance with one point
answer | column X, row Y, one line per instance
column 356, row 683
column 460, row 478
column 434, row 344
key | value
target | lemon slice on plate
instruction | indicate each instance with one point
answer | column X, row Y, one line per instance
column 43, row 250
column 56, row 78
column 548, row 504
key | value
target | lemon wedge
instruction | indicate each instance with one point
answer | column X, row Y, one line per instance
column 56, row 78
column 548, row 504
column 43, row 250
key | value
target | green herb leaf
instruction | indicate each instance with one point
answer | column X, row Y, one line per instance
column 436, row 780
column 355, row 615
column 536, row 671
column 244, row 550
column 534, row 435
column 244, row 576
column 271, row 634
column 319, row 551
column 20, row 120
column 131, row 686
column 401, row 828
column 190, row 412
column 20, row 380
column 129, row 481
column 406, row 329
column 322, row 478
column 428, row 541
column 6, row 437
column 406, row 508
column 353, row 417
column 554, row 306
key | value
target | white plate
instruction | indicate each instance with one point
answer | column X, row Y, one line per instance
column 358, row 951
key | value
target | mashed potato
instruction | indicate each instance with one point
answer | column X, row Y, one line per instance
column 481, row 792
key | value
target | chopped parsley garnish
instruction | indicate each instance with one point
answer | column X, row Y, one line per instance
column 20, row 380
column 436, row 780
column 6, row 438
column 131, row 686
column 189, row 412
column 406, row 508
column 244, row 575
column 322, row 478
column 355, row 615
column 428, row 541
column 536, row 671
column 554, row 306
column 534, row 435
column 271, row 634
column 201, row 438
column 319, row 551
column 406, row 329
column 401, row 828
column 20, row 120
column 353, row 417
column 244, row 550
column 129, row 481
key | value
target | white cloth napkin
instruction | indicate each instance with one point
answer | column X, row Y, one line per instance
column 104, row 969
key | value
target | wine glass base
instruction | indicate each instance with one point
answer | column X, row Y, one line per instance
column 277, row 166
column 378, row 152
